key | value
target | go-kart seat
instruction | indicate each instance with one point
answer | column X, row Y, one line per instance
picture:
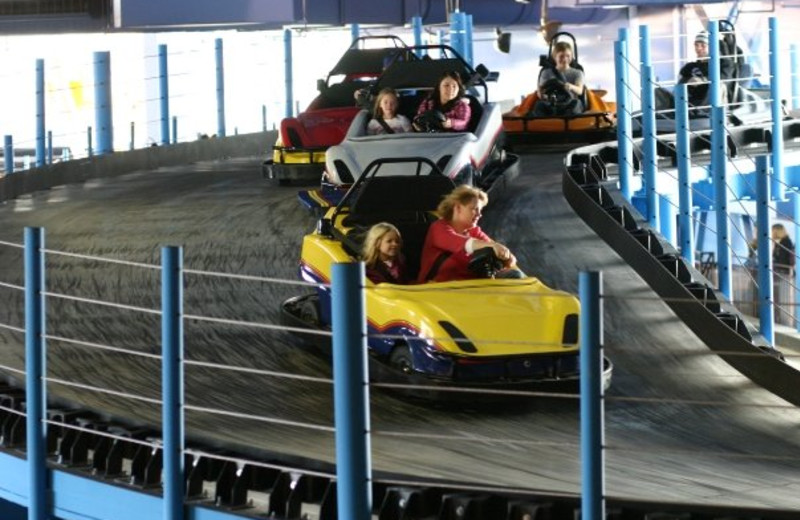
column 476, row 113
column 406, row 202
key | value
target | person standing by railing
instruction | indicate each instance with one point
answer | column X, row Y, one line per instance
column 783, row 260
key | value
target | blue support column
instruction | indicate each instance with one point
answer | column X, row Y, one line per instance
column 287, row 62
column 172, row 381
column 354, row 31
column 416, row 24
column 624, row 133
column 796, row 216
column 666, row 217
column 719, row 172
column 350, row 392
column 8, row 154
column 102, row 96
column 40, row 113
column 684, row 158
column 592, row 419
column 766, row 302
column 35, row 370
column 457, row 33
column 649, row 159
column 163, row 92
column 714, row 87
column 793, row 55
column 220, row 87
column 469, row 47
column 778, row 172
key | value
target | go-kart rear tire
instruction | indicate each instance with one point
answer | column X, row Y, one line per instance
column 400, row 359
column 273, row 174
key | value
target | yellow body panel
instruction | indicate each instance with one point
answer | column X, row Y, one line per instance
column 282, row 155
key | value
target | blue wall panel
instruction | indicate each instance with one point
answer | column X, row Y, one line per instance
column 141, row 13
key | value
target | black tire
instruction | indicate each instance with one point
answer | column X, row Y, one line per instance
column 401, row 359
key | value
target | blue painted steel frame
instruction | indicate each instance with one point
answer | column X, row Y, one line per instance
column 648, row 129
column 8, row 154
column 102, row 95
column 220, row 62
column 40, row 113
column 684, row 164
column 350, row 392
column 766, row 310
column 287, row 70
column 778, row 171
column 592, row 419
column 624, row 133
column 35, row 370
column 172, row 380
column 163, row 91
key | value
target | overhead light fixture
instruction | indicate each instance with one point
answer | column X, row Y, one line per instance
column 523, row 1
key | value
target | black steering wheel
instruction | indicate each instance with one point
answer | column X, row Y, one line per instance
column 484, row 263
column 430, row 121
column 554, row 91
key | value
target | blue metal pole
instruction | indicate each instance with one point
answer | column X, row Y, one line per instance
column 793, row 52
column 766, row 302
column 40, row 113
column 469, row 46
column 351, row 392
column 592, row 419
column 666, row 219
column 49, row 147
column 8, row 154
column 102, row 95
column 649, row 164
column 174, row 129
column 89, row 149
column 172, row 380
column 35, row 370
column 684, row 156
column 624, row 133
column 163, row 87
column 796, row 216
column 220, row 87
column 778, row 173
column 287, row 54
column 719, row 171
column 354, row 31
column 416, row 24
column 457, row 32
column 440, row 35
column 714, row 87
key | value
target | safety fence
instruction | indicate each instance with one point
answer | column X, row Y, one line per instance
column 709, row 172
column 138, row 454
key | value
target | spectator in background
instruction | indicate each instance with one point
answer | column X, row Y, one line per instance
column 783, row 257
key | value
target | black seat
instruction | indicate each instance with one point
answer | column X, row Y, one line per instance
column 476, row 113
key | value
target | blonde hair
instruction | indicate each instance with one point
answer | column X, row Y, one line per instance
column 377, row 111
column 463, row 195
column 370, row 252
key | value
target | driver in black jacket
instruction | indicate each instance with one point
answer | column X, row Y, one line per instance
column 560, row 87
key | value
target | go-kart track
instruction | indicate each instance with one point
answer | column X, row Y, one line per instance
column 720, row 450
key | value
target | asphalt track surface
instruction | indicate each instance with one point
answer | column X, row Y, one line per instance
column 737, row 445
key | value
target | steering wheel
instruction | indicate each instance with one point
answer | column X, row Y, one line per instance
column 484, row 263
column 554, row 91
column 430, row 121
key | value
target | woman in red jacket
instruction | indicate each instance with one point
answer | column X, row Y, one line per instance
column 456, row 235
